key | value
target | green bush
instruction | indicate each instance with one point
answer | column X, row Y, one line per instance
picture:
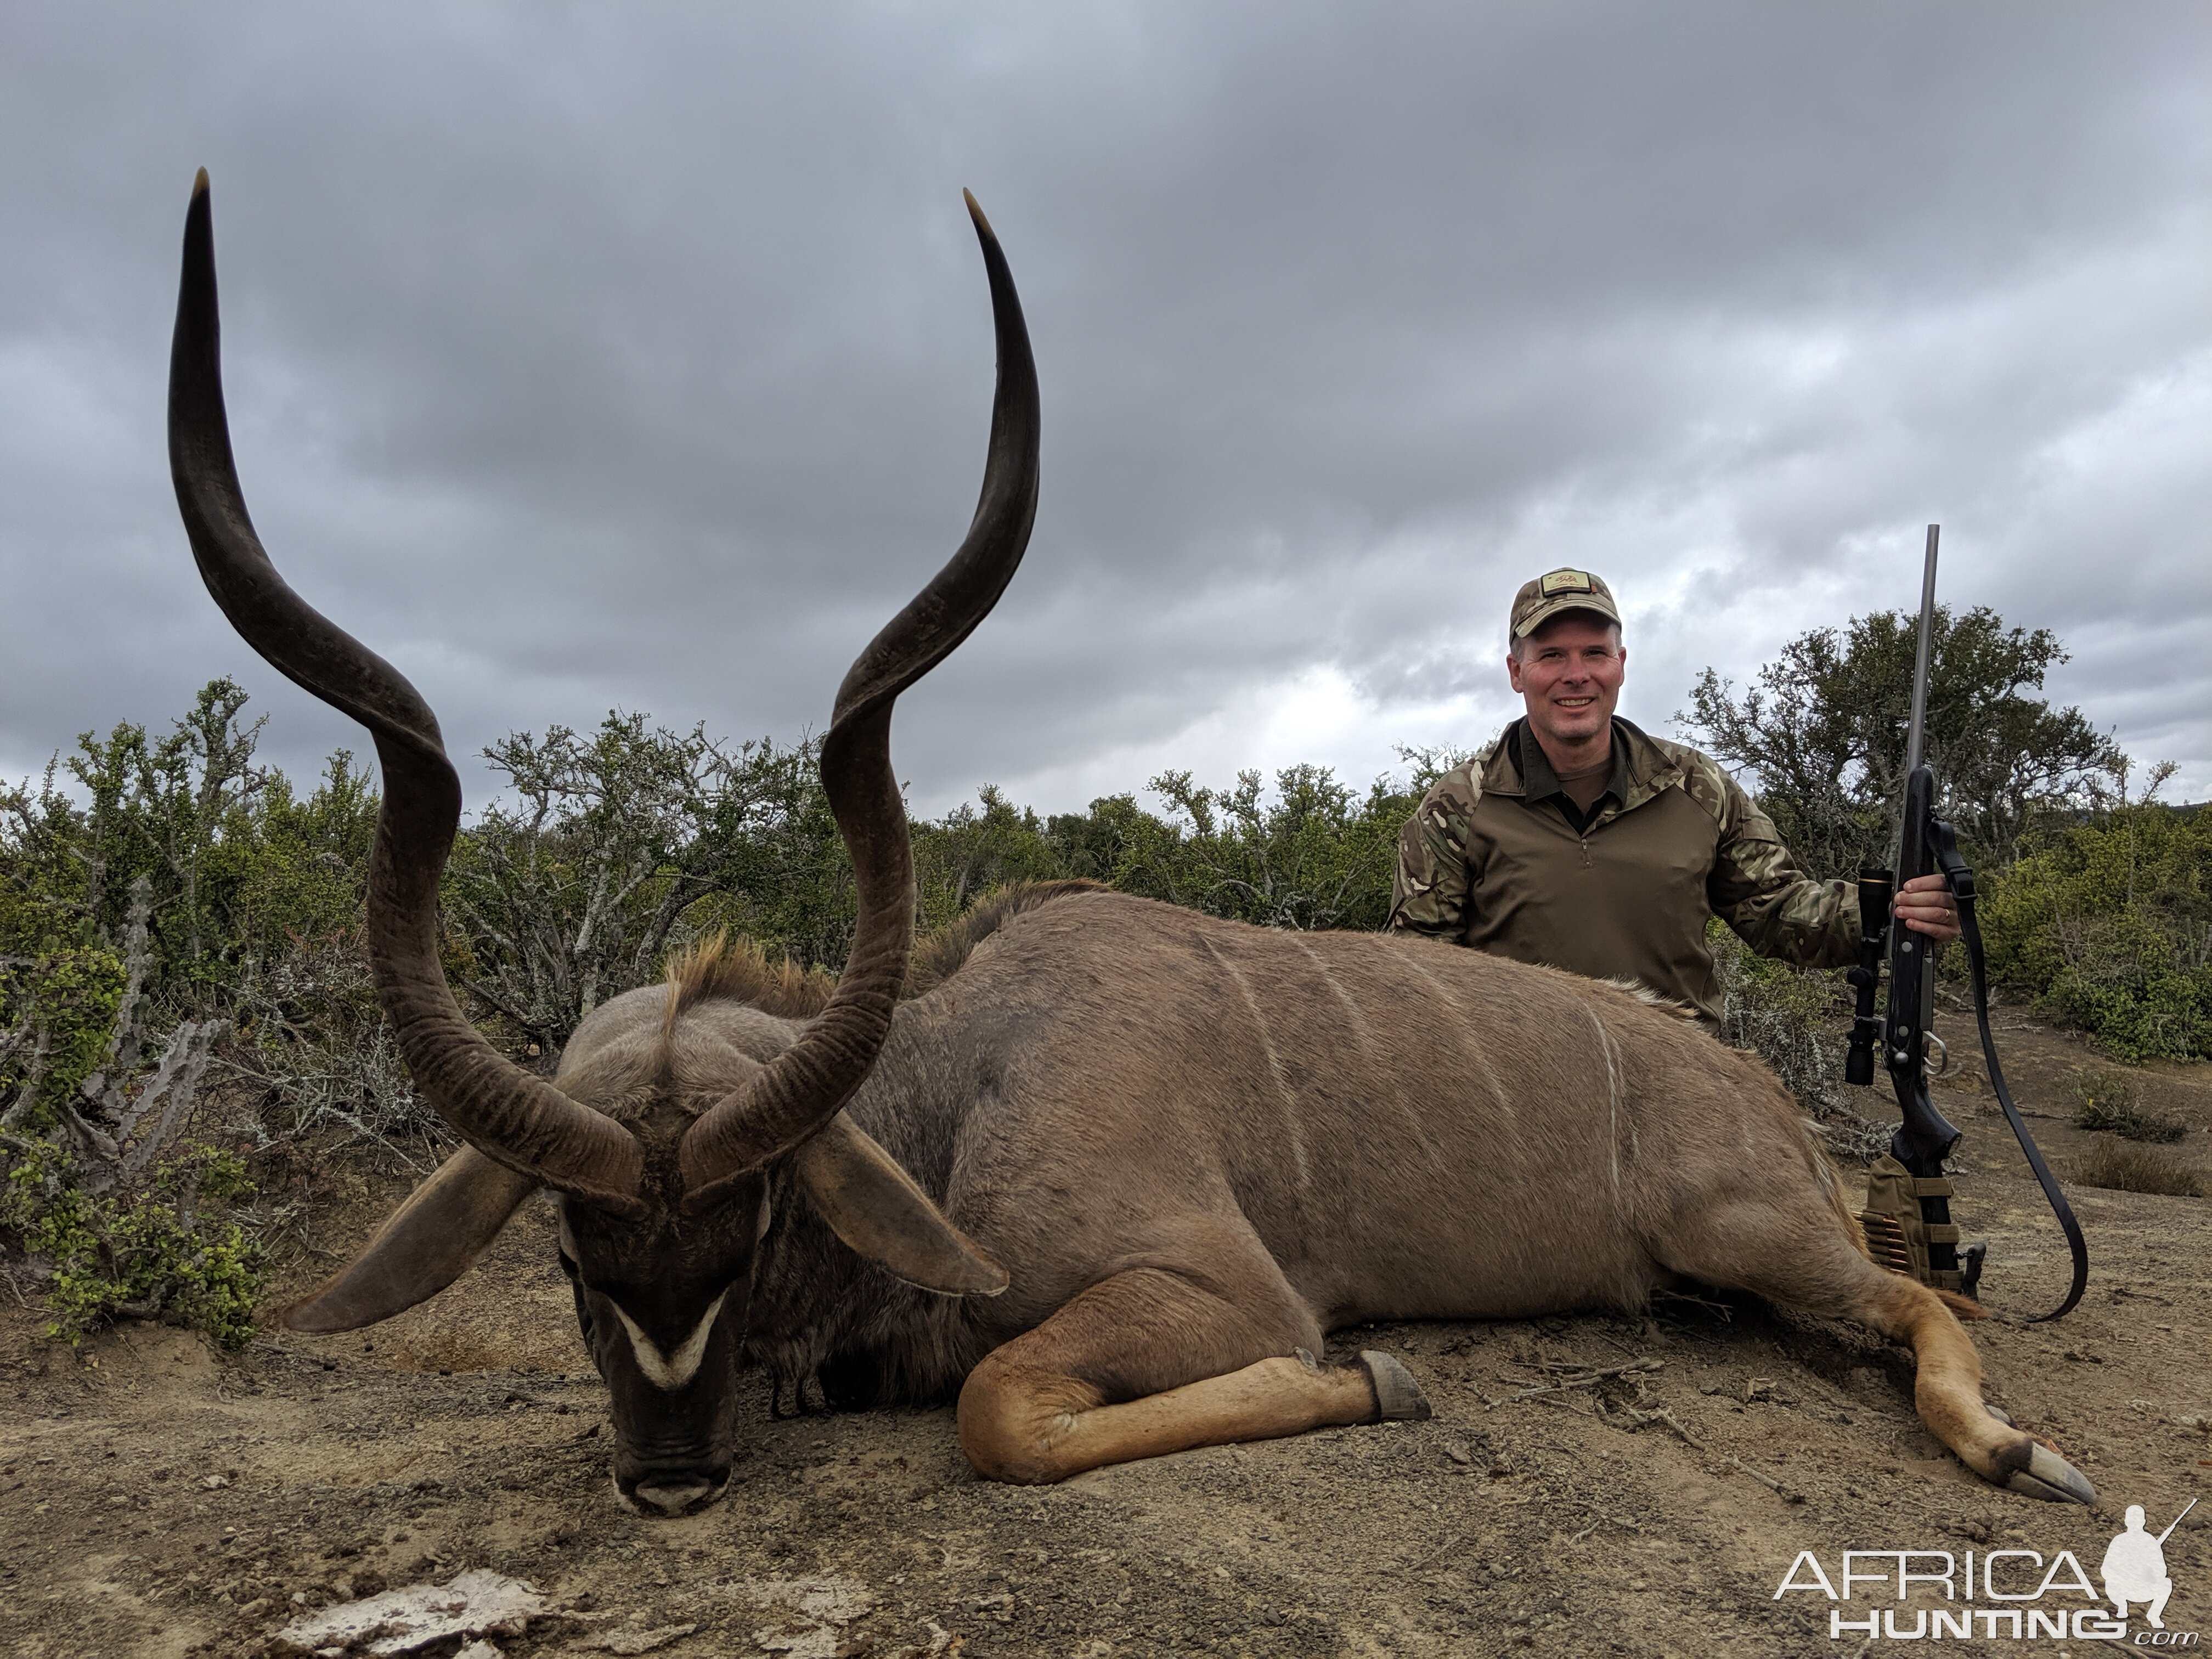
column 973, row 849
column 61, row 1004
column 167, row 1249
column 1311, row 853
column 2110, row 926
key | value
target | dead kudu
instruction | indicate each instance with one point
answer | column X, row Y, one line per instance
column 1196, row 1146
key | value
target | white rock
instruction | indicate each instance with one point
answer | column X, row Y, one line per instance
column 823, row 1607
column 478, row 1603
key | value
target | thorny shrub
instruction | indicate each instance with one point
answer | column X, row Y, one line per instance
column 2105, row 1100
column 316, row 1052
column 1798, row 1021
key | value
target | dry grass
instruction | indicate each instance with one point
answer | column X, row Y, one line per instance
column 2131, row 1169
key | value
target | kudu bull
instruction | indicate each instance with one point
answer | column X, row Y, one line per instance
column 1196, row 1146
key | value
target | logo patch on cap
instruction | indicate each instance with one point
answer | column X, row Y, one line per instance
column 1564, row 581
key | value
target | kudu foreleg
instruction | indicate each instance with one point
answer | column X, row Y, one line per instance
column 1147, row 1363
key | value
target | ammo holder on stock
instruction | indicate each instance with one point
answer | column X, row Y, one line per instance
column 1896, row 1235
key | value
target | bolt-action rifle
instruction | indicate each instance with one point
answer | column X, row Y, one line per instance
column 1908, row 1215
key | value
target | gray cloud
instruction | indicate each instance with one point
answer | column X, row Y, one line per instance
column 641, row 356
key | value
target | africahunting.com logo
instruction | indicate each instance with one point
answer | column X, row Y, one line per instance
column 2002, row 1592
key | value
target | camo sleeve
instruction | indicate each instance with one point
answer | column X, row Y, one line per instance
column 1430, row 894
column 1762, row 892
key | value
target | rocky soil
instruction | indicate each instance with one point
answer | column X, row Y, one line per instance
column 156, row 1499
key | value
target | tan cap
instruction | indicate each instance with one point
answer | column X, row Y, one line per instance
column 1557, row 591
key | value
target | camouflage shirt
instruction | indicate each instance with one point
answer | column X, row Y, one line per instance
column 1489, row 860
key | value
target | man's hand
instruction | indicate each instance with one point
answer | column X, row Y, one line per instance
column 1926, row 906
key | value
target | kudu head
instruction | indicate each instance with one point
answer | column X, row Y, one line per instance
column 663, row 1188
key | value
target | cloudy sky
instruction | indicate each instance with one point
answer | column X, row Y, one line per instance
column 640, row 357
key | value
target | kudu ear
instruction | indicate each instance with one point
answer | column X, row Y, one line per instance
column 428, row 1243
column 875, row 1206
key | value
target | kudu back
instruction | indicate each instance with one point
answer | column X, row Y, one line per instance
column 1110, row 1171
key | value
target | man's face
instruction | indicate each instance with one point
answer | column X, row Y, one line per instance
column 1569, row 673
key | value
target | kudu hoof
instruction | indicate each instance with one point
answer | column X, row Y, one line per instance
column 2048, row 1475
column 2051, row 1477
column 1398, row 1398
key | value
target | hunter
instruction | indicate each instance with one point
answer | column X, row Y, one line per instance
column 1581, row 840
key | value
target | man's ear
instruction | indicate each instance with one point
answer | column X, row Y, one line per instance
column 875, row 1206
column 428, row 1243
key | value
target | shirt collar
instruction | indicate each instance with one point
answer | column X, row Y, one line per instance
column 1539, row 782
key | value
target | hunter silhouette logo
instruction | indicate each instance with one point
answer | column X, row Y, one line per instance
column 2134, row 1568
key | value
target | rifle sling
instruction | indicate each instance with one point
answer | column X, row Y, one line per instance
column 1961, row 878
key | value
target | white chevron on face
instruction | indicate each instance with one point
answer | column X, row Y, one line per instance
column 666, row 1370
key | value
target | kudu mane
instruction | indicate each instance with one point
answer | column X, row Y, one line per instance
column 722, row 967
column 945, row 952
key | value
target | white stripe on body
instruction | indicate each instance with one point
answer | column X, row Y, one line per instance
column 1288, row 1096
column 1612, row 1097
column 1464, row 1035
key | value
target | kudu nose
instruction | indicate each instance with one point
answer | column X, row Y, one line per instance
column 673, row 1496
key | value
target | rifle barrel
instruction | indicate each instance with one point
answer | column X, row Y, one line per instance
column 1913, row 743
column 2177, row 1520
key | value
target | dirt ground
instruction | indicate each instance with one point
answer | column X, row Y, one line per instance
column 156, row 1499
